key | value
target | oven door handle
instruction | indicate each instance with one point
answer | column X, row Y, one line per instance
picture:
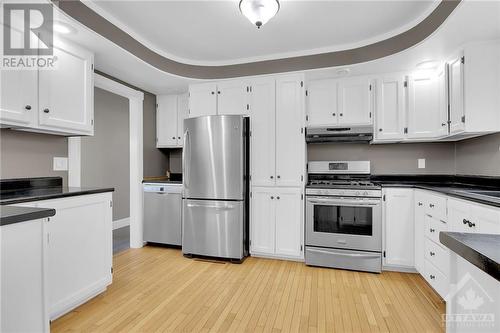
column 344, row 202
column 352, row 255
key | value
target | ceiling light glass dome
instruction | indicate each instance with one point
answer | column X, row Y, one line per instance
column 259, row 11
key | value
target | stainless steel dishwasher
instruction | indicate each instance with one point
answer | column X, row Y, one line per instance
column 162, row 213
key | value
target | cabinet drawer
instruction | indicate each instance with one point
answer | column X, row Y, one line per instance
column 435, row 206
column 433, row 227
column 438, row 256
column 436, row 279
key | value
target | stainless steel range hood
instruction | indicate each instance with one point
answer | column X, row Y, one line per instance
column 339, row 134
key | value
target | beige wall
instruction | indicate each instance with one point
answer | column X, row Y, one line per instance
column 25, row 154
column 391, row 158
column 478, row 156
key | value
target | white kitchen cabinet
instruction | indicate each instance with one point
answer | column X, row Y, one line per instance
column 202, row 99
column 170, row 114
column 276, row 225
column 474, row 82
column 263, row 132
column 456, row 93
column 399, row 229
column 23, row 279
column 419, row 230
column 471, row 217
column 166, row 121
column 263, row 221
column 289, row 226
column 355, row 102
column 424, row 107
column 66, row 101
column 322, row 103
column 233, row 97
column 290, row 121
column 182, row 113
column 390, row 118
column 80, row 250
column 19, row 97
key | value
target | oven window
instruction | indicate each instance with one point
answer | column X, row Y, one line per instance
column 343, row 220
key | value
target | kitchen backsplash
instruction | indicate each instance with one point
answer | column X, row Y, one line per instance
column 479, row 156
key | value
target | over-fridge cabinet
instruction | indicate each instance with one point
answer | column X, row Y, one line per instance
column 171, row 110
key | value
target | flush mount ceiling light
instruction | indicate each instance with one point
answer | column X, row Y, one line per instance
column 259, row 11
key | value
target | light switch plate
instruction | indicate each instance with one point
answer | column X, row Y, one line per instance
column 60, row 164
column 421, row 163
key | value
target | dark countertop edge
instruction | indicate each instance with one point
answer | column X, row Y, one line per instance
column 436, row 188
column 23, row 214
column 55, row 196
column 174, row 182
column 478, row 259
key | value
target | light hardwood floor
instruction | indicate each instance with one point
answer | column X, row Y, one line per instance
column 157, row 289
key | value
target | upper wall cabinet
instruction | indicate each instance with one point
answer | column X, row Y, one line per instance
column 390, row 118
column 355, row 101
column 56, row 101
column 225, row 97
column 340, row 102
column 171, row 110
column 474, row 83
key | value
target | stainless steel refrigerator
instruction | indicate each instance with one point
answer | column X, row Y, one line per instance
column 215, row 195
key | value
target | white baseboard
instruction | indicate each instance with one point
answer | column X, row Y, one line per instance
column 121, row 223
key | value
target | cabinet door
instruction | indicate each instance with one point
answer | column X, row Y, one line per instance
column 18, row 99
column 399, row 227
column 18, row 90
column 322, row 103
column 423, row 107
column 262, row 124
column 182, row 113
column 456, row 97
column 262, row 220
column 485, row 219
column 355, row 101
column 419, row 230
column 442, row 87
column 202, row 99
column 66, row 101
column 80, row 250
column 459, row 216
column 289, row 222
column 166, row 121
column 290, row 143
column 23, row 305
column 232, row 97
column 390, row 115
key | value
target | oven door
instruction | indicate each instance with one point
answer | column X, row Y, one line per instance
column 346, row 223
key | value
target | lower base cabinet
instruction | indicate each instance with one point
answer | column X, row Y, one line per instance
column 23, row 266
column 80, row 250
column 277, row 220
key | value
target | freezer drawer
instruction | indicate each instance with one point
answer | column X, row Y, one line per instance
column 162, row 217
column 213, row 228
column 345, row 259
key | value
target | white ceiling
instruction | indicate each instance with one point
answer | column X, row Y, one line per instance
column 216, row 33
column 471, row 21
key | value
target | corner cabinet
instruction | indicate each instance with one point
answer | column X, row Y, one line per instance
column 56, row 101
column 276, row 225
column 171, row 110
column 398, row 228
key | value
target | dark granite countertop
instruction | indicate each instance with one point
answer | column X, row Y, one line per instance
column 162, row 181
column 481, row 250
column 14, row 191
column 12, row 214
column 463, row 187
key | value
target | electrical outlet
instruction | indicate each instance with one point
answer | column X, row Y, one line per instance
column 421, row 163
column 60, row 164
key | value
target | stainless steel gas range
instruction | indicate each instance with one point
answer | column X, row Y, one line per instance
column 343, row 216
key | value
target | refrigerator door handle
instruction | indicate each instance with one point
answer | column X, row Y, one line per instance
column 216, row 207
column 185, row 154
